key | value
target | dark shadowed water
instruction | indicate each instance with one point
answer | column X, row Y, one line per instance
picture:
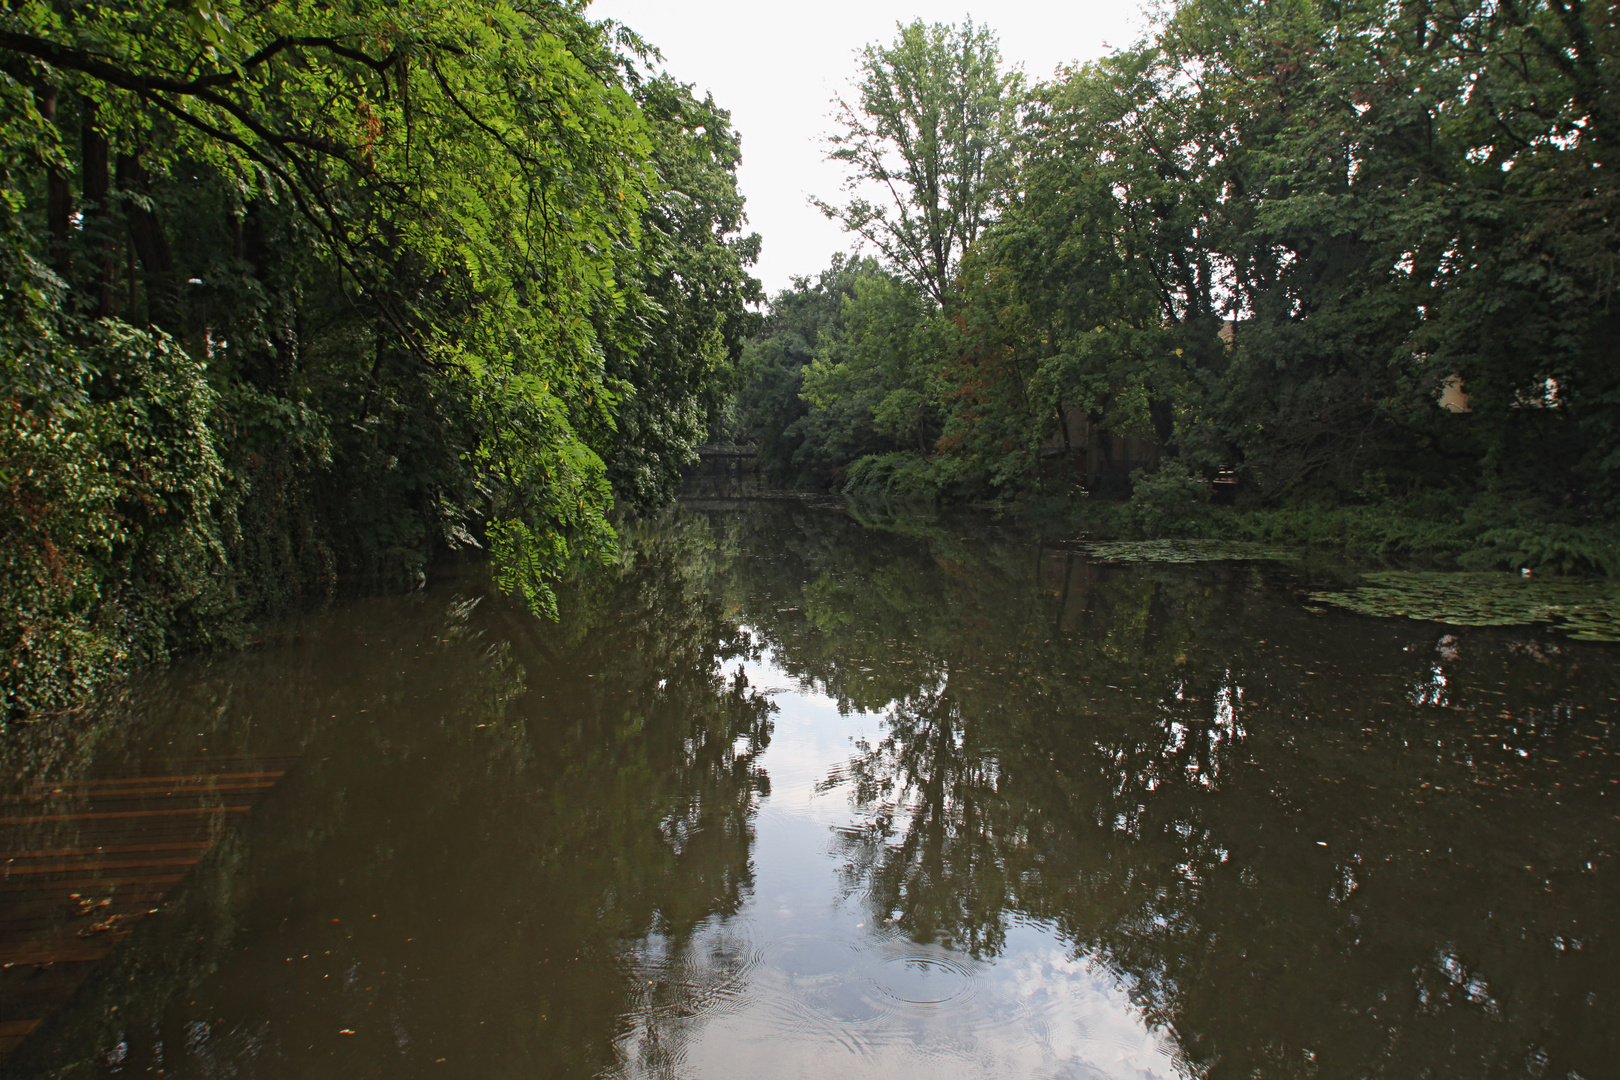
column 784, row 796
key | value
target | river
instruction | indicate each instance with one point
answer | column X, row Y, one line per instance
column 783, row 795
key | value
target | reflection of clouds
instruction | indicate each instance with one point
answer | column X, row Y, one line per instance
column 1076, row 1020
column 680, row 988
column 799, row 985
column 816, row 1007
column 810, row 736
column 764, row 673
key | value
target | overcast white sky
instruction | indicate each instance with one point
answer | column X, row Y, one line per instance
column 777, row 69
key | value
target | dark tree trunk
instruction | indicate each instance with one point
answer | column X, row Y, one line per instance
column 272, row 373
column 151, row 247
column 97, row 187
column 1162, row 413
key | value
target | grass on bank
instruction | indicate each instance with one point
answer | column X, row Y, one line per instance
column 1430, row 529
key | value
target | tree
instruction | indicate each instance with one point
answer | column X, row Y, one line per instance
column 1095, row 291
column 305, row 295
column 1265, row 238
column 928, row 148
column 799, row 324
column 686, row 294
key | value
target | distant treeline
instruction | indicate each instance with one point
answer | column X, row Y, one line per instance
column 294, row 297
column 1310, row 255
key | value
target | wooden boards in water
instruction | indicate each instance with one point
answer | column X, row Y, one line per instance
column 83, row 861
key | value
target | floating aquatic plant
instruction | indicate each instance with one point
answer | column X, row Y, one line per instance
column 1183, row 551
column 1589, row 609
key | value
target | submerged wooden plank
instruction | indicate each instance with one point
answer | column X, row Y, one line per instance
column 82, row 861
column 83, row 883
column 115, row 814
column 114, row 781
column 27, row 918
column 104, row 849
column 59, row 950
column 152, row 791
column 13, row 1032
column 81, row 865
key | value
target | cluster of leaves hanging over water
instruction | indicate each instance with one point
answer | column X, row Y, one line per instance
column 296, row 297
column 1261, row 244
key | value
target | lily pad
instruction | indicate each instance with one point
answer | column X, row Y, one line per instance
column 1589, row 609
column 1183, row 551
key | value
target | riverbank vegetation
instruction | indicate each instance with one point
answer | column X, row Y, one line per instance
column 296, row 299
column 1329, row 274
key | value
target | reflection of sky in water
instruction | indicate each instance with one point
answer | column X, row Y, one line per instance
column 799, row 986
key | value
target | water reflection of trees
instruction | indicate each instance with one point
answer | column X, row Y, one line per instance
column 487, row 812
column 1312, row 844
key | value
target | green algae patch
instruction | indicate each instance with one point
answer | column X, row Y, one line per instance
column 1184, row 551
column 1588, row 609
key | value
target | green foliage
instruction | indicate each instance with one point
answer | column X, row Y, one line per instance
column 1184, row 551
column 1167, row 502
column 928, row 137
column 844, row 369
column 870, row 380
column 903, row 476
column 299, row 297
column 769, row 409
column 108, row 473
column 1261, row 243
column 1547, row 545
column 1432, row 529
column 109, row 476
column 687, row 297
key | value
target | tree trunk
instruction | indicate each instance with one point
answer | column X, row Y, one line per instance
column 272, row 373
column 151, row 247
column 1161, row 411
column 97, row 188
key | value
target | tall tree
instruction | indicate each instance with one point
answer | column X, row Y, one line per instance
column 305, row 294
column 677, row 364
column 927, row 143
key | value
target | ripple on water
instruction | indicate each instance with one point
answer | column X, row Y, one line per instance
column 881, row 1004
column 923, row 981
column 806, row 958
column 711, row 976
column 819, row 987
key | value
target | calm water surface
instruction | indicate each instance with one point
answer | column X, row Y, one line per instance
column 784, row 796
